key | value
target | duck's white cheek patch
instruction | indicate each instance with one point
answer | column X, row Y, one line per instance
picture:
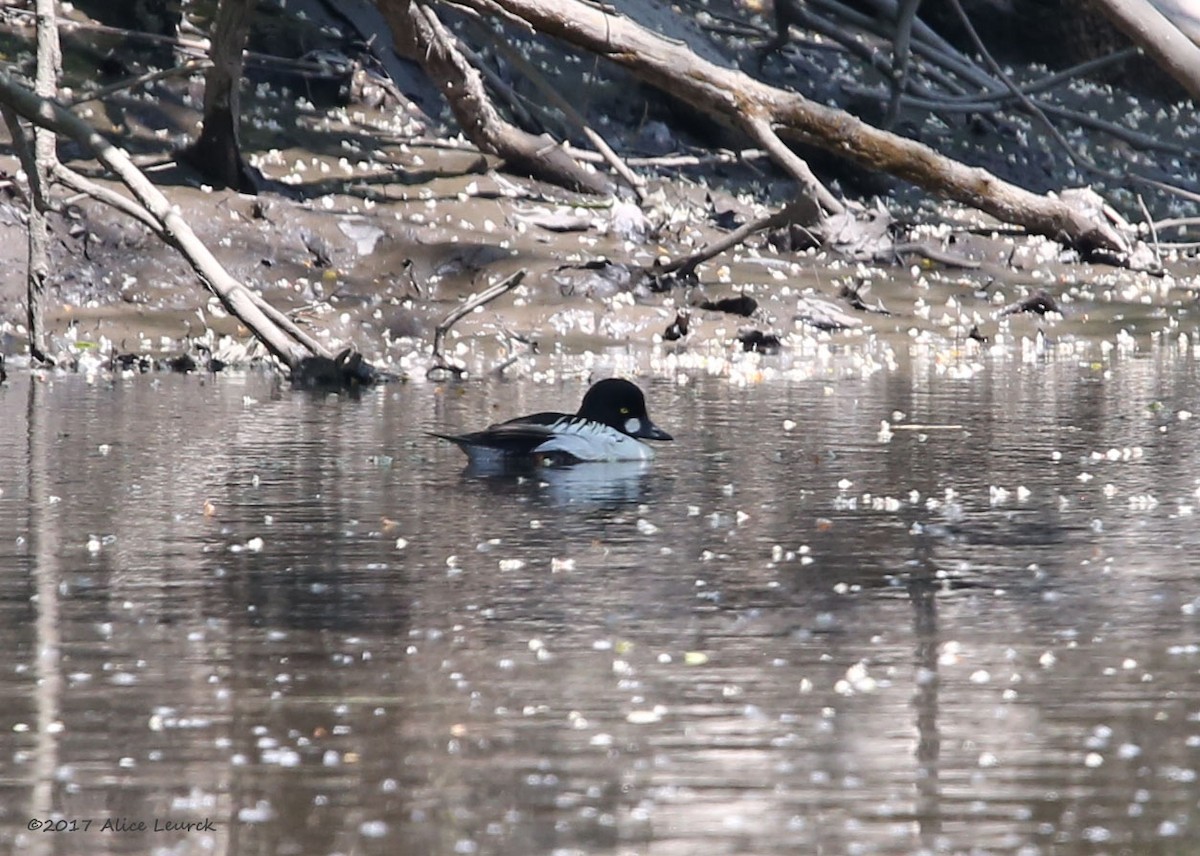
column 633, row 425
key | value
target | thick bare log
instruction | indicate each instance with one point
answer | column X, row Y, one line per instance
column 238, row 299
column 1174, row 52
column 743, row 101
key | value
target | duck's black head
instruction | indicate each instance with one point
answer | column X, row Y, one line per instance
column 620, row 405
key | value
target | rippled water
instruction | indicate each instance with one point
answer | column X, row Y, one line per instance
column 976, row 631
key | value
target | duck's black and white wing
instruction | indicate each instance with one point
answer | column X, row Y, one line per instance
column 585, row 440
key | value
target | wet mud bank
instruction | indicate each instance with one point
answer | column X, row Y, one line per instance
column 378, row 273
column 375, row 221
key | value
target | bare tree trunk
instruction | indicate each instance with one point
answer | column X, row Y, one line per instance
column 217, row 154
column 1174, row 52
column 45, row 156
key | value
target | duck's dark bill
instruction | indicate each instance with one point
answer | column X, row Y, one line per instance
column 650, row 431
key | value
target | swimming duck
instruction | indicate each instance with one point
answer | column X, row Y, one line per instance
column 607, row 427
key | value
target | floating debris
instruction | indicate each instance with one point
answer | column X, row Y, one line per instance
column 853, row 293
column 678, row 328
column 743, row 305
column 646, row 717
column 758, row 341
column 1039, row 303
column 824, row 315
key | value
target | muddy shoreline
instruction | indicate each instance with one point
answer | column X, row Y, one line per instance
column 370, row 229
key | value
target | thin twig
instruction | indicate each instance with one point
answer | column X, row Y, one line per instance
column 1077, row 157
column 1177, row 223
column 197, row 48
column 676, row 160
column 1153, row 231
column 873, row 57
column 926, row 43
column 440, row 363
column 1145, row 142
column 1025, row 101
column 188, row 67
column 790, row 213
column 494, row 11
column 124, row 204
column 1067, row 75
column 937, row 104
column 978, row 102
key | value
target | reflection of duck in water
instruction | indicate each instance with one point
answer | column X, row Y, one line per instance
column 612, row 483
column 608, row 426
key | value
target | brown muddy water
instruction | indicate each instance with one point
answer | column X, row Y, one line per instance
column 295, row 623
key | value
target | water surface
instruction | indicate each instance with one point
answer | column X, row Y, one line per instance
column 972, row 630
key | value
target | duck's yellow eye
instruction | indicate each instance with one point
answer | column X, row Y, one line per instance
column 624, row 411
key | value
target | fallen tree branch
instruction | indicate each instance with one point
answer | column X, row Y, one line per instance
column 739, row 99
column 129, row 207
column 239, row 300
column 70, row 178
column 793, row 212
column 761, row 131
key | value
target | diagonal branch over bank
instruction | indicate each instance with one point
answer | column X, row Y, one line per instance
column 172, row 227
